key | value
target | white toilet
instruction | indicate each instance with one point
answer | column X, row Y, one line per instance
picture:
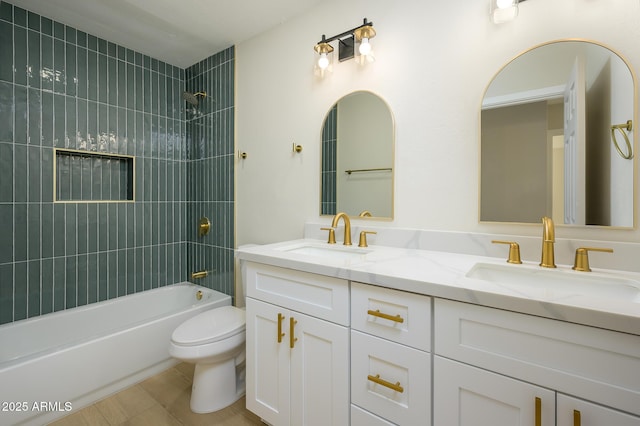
column 215, row 341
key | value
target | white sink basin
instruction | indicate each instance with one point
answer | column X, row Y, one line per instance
column 326, row 251
column 556, row 282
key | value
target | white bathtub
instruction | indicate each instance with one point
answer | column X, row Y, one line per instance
column 57, row 363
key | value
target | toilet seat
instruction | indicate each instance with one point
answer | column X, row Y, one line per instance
column 210, row 326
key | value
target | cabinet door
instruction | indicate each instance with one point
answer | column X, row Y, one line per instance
column 575, row 412
column 319, row 371
column 267, row 362
column 468, row 396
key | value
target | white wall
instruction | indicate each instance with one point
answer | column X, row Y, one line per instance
column 434, row 61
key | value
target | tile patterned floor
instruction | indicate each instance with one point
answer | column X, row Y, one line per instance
column 162, row 400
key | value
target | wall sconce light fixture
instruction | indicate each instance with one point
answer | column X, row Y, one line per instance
column 347, row 41
column 502, row 11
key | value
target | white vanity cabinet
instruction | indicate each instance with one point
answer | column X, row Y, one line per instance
column 297, row 346
column 390, row 357
column 490, row 362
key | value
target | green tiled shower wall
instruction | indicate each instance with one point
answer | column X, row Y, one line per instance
column 210, row 171
column 61, row 87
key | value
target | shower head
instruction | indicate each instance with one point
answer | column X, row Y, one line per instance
column 192, row 98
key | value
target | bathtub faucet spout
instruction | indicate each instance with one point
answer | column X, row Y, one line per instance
column 199, row 274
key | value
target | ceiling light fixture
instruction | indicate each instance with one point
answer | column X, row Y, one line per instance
column 347, row 41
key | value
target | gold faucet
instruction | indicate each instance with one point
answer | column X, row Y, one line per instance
column 548, row 240
column 347, row 226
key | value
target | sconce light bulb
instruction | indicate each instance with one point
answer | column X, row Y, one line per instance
column 503, row 4
column 323, row 61
column 503, row 10
column 365, row 46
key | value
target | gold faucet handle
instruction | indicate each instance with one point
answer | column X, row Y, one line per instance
column 514, row 251
column 332, row 235
column 581, row 262
column 363, row 238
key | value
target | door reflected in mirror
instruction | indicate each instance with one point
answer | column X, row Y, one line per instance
column 547, row 145
column 358, row 157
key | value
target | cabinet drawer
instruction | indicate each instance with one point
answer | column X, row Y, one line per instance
column 395, row 315
column 360, row 417
column 591, row 363
column 590, row 414
column 317, row 295
column 390, row 380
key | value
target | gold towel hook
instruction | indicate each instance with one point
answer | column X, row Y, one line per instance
column 628, row 126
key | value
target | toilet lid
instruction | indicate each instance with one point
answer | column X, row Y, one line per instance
column 210, row 326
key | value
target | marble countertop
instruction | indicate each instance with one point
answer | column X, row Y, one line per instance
column 444, row 275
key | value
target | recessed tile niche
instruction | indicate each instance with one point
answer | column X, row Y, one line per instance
column 93, row 177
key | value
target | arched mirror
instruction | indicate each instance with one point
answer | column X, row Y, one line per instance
column 557, row 138
column 358, row 157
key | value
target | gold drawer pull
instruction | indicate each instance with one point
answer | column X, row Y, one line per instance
column 280, row 333
column 393, row 386
column 538, row 419
column 577, row 421
column 379, row 314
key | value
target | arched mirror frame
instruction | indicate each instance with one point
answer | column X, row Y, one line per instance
column 392, row 162
column 634, row 133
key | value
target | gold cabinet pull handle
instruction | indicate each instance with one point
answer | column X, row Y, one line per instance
column 292, row 339
column 538, row 419
column 577, row 421
column 393, row 386
column 377, row 313
column 280, row 333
